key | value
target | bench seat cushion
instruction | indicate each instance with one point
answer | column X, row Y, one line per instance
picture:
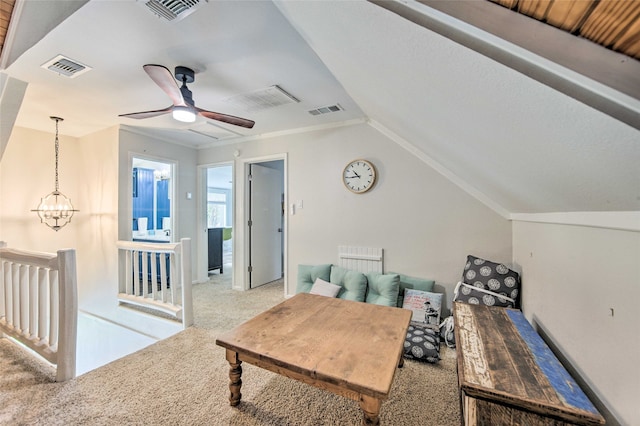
column 353, row 283
column 382, row 289
column 308, row 274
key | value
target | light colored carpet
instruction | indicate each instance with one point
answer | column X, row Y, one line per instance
column 183, row 380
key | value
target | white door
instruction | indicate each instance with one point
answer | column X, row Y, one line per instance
column 265, row 231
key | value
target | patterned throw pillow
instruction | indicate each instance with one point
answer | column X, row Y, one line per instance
column 422, row 343
column 488, row 283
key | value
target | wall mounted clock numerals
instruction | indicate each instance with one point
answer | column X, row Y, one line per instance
column 359, row 176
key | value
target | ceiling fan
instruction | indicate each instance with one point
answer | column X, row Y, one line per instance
column 183, row 108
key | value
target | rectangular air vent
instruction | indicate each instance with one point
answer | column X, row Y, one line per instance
column 172, row 10
column 65, row 66
column 326, row 110
column 258, row 100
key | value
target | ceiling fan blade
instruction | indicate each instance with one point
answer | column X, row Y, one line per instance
column 163, row 78
column 225, row 118
column 147, row 114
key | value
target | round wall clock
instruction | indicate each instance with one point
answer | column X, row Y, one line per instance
column 359, row 176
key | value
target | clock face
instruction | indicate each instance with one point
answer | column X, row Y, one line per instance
column 359, row 176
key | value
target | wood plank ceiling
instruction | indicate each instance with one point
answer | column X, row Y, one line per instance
column 6, row 8
column 614, row 24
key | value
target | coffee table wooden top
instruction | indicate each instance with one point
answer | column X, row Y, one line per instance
column 349, row 344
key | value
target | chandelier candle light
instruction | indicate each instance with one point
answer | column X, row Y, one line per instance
column 55, row 210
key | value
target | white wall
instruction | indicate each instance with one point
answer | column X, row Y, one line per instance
column 87, row 175
column 426, row 225
column 572, row 277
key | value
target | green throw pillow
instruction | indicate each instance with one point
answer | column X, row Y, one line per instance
column 307, row 275
column 382, row 289
column 353, row 283
column 413, row 283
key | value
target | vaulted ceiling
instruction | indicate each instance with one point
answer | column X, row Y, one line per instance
column 518, row 143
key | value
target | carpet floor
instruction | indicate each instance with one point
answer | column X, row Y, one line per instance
column 183, row 380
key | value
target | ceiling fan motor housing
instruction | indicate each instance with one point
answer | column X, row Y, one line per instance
column 184, row 74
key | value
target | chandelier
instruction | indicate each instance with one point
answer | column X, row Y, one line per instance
column 55, row 210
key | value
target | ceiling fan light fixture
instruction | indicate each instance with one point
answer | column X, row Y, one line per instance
column 184, row 114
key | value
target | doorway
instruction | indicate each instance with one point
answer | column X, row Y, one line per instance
column 242, row 253
column 266, row 222
column 219, row 222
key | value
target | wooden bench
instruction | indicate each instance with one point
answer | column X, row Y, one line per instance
column 508, row 375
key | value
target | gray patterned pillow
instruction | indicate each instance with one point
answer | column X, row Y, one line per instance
column 422, row 343
column 488, row 283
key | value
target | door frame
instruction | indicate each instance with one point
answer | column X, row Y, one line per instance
column 172, row 192
column 201, row 221
column 241, row 244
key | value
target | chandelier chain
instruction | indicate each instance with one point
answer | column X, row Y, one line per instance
column 57, row 149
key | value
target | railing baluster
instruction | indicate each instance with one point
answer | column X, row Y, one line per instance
column 173, row 267
column 128, row 273
column 153, row 259
column 43, row 306
column 24, row 300
column 136, row 272
column 53, row 308
column 163, row 275
column 15, row 277
column 4, row 279
column 145, row 273
column 33, row 302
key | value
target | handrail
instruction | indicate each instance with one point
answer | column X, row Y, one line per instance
column 157, row 276
column 39, row 304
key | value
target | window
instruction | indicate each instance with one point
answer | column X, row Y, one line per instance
column 218, row 204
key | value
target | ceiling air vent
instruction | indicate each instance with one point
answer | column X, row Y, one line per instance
column 172, row 10
column 326, row 110
column 65, row 66
column 270, row 97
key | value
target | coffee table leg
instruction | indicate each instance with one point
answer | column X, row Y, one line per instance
column 371, row 410
column 235, row 377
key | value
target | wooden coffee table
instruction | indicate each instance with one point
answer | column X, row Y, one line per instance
column 349, row 348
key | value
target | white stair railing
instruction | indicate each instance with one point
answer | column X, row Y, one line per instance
column 39, row 304
column 157, row 276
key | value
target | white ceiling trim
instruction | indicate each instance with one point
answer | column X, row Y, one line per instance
column 623, row 221
column 141, row 131
column 444, row 171
column 287, row 132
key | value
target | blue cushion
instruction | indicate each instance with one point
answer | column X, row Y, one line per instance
column 353, row 283
column 382, row 289
column 307, row 275
column 413, row 283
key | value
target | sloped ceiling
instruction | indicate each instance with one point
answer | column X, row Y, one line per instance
column 526, row 147
column 515, row 143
